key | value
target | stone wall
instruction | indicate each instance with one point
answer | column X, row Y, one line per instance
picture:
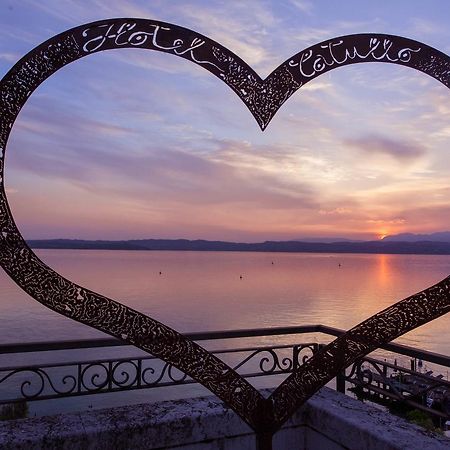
column 329, row 421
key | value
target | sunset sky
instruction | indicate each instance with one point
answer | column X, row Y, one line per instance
column 137, row 144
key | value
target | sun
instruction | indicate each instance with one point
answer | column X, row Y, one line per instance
column 382, row 234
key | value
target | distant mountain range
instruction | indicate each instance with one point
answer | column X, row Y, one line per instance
column 440, row 236
column 399, row 244
column 327, row 239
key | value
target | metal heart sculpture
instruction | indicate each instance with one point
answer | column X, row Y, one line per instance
column 263, row 98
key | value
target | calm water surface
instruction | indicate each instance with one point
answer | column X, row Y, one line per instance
column 199, row 291
column 204, row 291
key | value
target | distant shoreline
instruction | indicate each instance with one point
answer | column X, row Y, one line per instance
column 371, row 247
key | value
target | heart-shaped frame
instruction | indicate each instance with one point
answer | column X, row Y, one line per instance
column 263, row 98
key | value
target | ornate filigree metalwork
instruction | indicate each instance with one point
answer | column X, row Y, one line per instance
column 419, row 390
column 263, row 98
column 51, row 381
column 374, row 379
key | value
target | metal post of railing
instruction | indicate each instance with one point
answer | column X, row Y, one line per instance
column 139, row 373
column 295, row 353
column 385, row 376
column 340, row 382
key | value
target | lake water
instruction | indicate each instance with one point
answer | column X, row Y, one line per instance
column 203, row 290
column 199, row 291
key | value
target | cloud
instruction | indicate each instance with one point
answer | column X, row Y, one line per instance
column 334, row 211
column 304, row 6
column 146, row 141
column 164, row 190
column 427, row 218
column 165, row 170
column 69, row 11
column 426, row 27
column 317, row 86
column 50, row 120
column 231, row 25
column 400, row 150
column 387, row 221
column 9, row 56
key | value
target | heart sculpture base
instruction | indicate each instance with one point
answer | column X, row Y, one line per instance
column 263, row 98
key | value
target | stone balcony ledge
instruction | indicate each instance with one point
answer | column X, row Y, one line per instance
column 328, row 421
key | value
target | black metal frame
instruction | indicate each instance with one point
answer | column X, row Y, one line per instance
column 372, row 376
column 77, row 378
column 263, row 98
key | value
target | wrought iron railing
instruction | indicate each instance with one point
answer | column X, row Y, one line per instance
column 371, row 378
column 385, row 382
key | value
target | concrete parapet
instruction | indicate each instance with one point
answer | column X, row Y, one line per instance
column 328, row 421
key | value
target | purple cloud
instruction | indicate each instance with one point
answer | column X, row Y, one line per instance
column 401, row 150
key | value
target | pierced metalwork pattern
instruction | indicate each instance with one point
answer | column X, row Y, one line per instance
column 50, row 381
column 263, row 98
